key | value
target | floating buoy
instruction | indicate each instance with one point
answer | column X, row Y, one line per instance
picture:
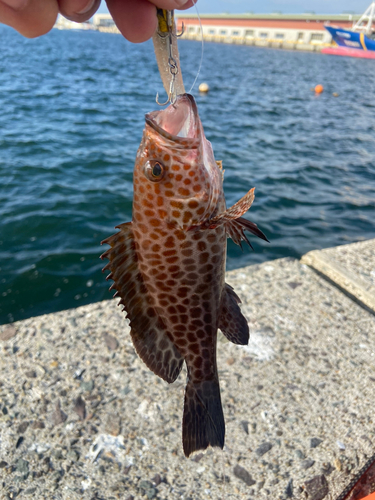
column 203, row 87
column 319, row 89
column 335, row 94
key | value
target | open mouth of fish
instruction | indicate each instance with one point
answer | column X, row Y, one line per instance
column 179, row 122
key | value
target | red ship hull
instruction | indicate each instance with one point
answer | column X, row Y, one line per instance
column 345, row 51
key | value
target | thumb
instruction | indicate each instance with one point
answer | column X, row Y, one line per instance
column 31, row 18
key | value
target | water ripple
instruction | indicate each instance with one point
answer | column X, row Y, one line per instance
column 72, row 114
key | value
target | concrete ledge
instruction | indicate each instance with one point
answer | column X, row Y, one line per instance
column 81, row 417
column 349, row 267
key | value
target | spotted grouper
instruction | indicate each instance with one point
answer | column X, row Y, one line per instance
column 168, row 264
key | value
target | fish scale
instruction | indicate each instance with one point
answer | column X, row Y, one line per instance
column 168, row 264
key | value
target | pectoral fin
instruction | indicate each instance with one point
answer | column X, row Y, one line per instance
column 235, row 230
column 148, row 331
column 234, row 223
column 236, row 210
column 232, row 322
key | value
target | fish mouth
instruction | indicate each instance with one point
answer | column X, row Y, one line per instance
column 179, row 122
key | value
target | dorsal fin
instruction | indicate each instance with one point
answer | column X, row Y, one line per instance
column 219, row 163
column 148, row 331
column 231, row 321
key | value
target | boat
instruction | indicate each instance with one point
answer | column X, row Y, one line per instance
column 356, row 42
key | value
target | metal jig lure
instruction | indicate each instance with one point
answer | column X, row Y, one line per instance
column 165, row 43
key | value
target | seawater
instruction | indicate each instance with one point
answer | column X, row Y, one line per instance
column 72, row 108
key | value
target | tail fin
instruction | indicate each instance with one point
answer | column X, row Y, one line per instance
column 203, row 421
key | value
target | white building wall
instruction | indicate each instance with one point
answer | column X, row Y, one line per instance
column 307, row 36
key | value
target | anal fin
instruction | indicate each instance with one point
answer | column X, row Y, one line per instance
column 231, row 321
column 148, row 331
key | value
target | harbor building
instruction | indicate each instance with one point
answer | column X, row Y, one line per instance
column 288, row 31
column 284, row 31
column 104, row 22
column 65, row 24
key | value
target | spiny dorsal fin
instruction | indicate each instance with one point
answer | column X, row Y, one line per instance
column 148, row 331
column 219, row 163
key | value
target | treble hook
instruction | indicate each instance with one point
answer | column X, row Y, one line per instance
column 175, row 35
column 178, row 35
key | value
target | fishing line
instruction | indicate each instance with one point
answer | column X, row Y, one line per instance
column 201, row 61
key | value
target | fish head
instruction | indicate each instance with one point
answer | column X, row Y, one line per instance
column 176, row 178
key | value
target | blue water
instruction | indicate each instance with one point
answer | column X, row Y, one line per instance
column 72, row 107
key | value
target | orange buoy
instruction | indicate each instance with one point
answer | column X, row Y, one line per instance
column 319, row 89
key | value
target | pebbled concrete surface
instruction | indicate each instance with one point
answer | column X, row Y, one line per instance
column 81, row 417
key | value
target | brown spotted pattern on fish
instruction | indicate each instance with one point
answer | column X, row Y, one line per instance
column 168, row 264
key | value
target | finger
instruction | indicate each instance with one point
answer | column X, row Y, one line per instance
column 31, row 18
column 78, row 10
column 173, row 4
column 136, row 19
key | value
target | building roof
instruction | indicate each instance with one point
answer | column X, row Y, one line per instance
column 274, row 16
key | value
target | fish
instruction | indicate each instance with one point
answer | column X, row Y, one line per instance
column 168, row 264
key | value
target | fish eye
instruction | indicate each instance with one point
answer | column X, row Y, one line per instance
column 154, row 170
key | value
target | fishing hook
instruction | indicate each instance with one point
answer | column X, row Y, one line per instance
column 172, row 95
column 175, row 35
column 178, row 35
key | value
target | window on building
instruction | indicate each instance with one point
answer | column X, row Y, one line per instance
column 249, row 33
column 235, row 33
column 263, row 35
column 223, row 32
column 316, row 37
column 106, row 23
column 279, row 36
column 191, row 29
column 300, row 36
column 211, row 32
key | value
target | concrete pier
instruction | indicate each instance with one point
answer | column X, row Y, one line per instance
column 81, row 417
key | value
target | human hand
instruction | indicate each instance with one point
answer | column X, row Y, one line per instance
column 136, row 19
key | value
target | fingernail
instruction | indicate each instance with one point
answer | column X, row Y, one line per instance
column 15, row 4
column 180, row 3
column 87, row 8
